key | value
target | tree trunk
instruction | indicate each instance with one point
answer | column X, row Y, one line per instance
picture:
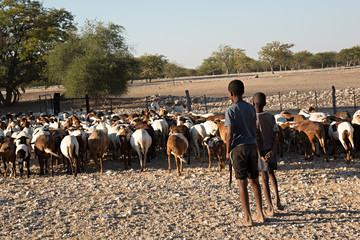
column 10, row 98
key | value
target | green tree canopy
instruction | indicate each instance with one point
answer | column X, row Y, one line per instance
column 210, row 66
column 27, row 32
column 226, row 55
column 302, row 59
column 324, row 59
column 95, row 62
column 276, row 53
column 173, row 70
column 152, row 66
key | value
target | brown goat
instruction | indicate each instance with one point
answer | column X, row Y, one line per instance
column 44, row 149
column 124, row 136
column 184, row 130
column 177, row 145
column 216, row 146
column 99, row 143
column 7, row 152
column 311, row 132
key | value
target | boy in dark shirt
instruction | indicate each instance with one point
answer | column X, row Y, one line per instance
column 240, row 120
column 268, row 136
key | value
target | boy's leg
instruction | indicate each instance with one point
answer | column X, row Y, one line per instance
column 257, row 194
column 274, row 186
column 266, row 188
column 244, row 197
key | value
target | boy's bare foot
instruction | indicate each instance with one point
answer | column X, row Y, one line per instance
column 270, row 212
column 260, row 219
column 243, row 223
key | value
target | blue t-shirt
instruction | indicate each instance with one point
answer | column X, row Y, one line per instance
column 241, row 116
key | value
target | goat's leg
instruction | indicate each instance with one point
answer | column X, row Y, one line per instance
column 28, row 167
column 41, row 163
column 322, row 144
column 189, row 152
column 101, row 163
column 145, row 155
column 209, row 158
column 313, row 147
column 334, row 148
column 52, row 165
column 177, row 165
column 169, row 161
column 181, row 166
column 71, row 165
column 13, row 170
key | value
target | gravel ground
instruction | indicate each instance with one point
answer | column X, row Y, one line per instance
column 321, row 201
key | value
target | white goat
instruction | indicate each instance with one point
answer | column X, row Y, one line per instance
column 141, row 142
column 197, row 134
column 69, row 147
column 344, row 132
column 161, row 128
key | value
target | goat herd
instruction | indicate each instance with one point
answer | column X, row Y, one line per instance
column 76, row 137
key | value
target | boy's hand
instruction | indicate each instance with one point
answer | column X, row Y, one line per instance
column 227, row 155
column 269, row 156
column 263, row 158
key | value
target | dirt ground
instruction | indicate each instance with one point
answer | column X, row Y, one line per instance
column 268, row 83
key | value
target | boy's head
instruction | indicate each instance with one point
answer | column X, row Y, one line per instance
column 235, row 88
column 259, row 99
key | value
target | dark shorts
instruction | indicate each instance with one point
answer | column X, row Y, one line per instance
column 245, row 161
column 267, row 166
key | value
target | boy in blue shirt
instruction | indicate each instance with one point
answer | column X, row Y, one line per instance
column 241, row 140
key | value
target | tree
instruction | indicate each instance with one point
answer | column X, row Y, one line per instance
column 152, row 66
column 226, row 56
column 210, row 66
column 276, row 53
column 173, row 70
column 324, row 59
column 242, row 63
column 302, row 59
column 94, row 62
column 27, row 32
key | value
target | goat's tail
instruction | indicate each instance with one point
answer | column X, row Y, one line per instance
column 49, row 151
column 183, row 159
column 351, row 138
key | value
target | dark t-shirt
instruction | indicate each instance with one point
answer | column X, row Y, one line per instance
column 241, row 116
column 266, row 126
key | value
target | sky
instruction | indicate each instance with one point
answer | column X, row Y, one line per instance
column 188, row 31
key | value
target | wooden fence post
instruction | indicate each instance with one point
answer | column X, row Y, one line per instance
column 354, row 100
column 297, row 101
column 147, row 104
column 188, row 101
column 206, row 109
column 40, row 104
column 87, row 103
column 333, row 99
column 280, row 102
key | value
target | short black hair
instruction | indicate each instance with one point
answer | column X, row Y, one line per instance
column 236, row 87
column 259, row 99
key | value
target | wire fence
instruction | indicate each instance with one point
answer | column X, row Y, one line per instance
column 330, row 101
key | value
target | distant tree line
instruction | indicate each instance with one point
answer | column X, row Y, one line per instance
column 41, row 46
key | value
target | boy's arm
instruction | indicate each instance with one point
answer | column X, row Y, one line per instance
column 258, row 142
column 270, row 154
column 229, row 136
